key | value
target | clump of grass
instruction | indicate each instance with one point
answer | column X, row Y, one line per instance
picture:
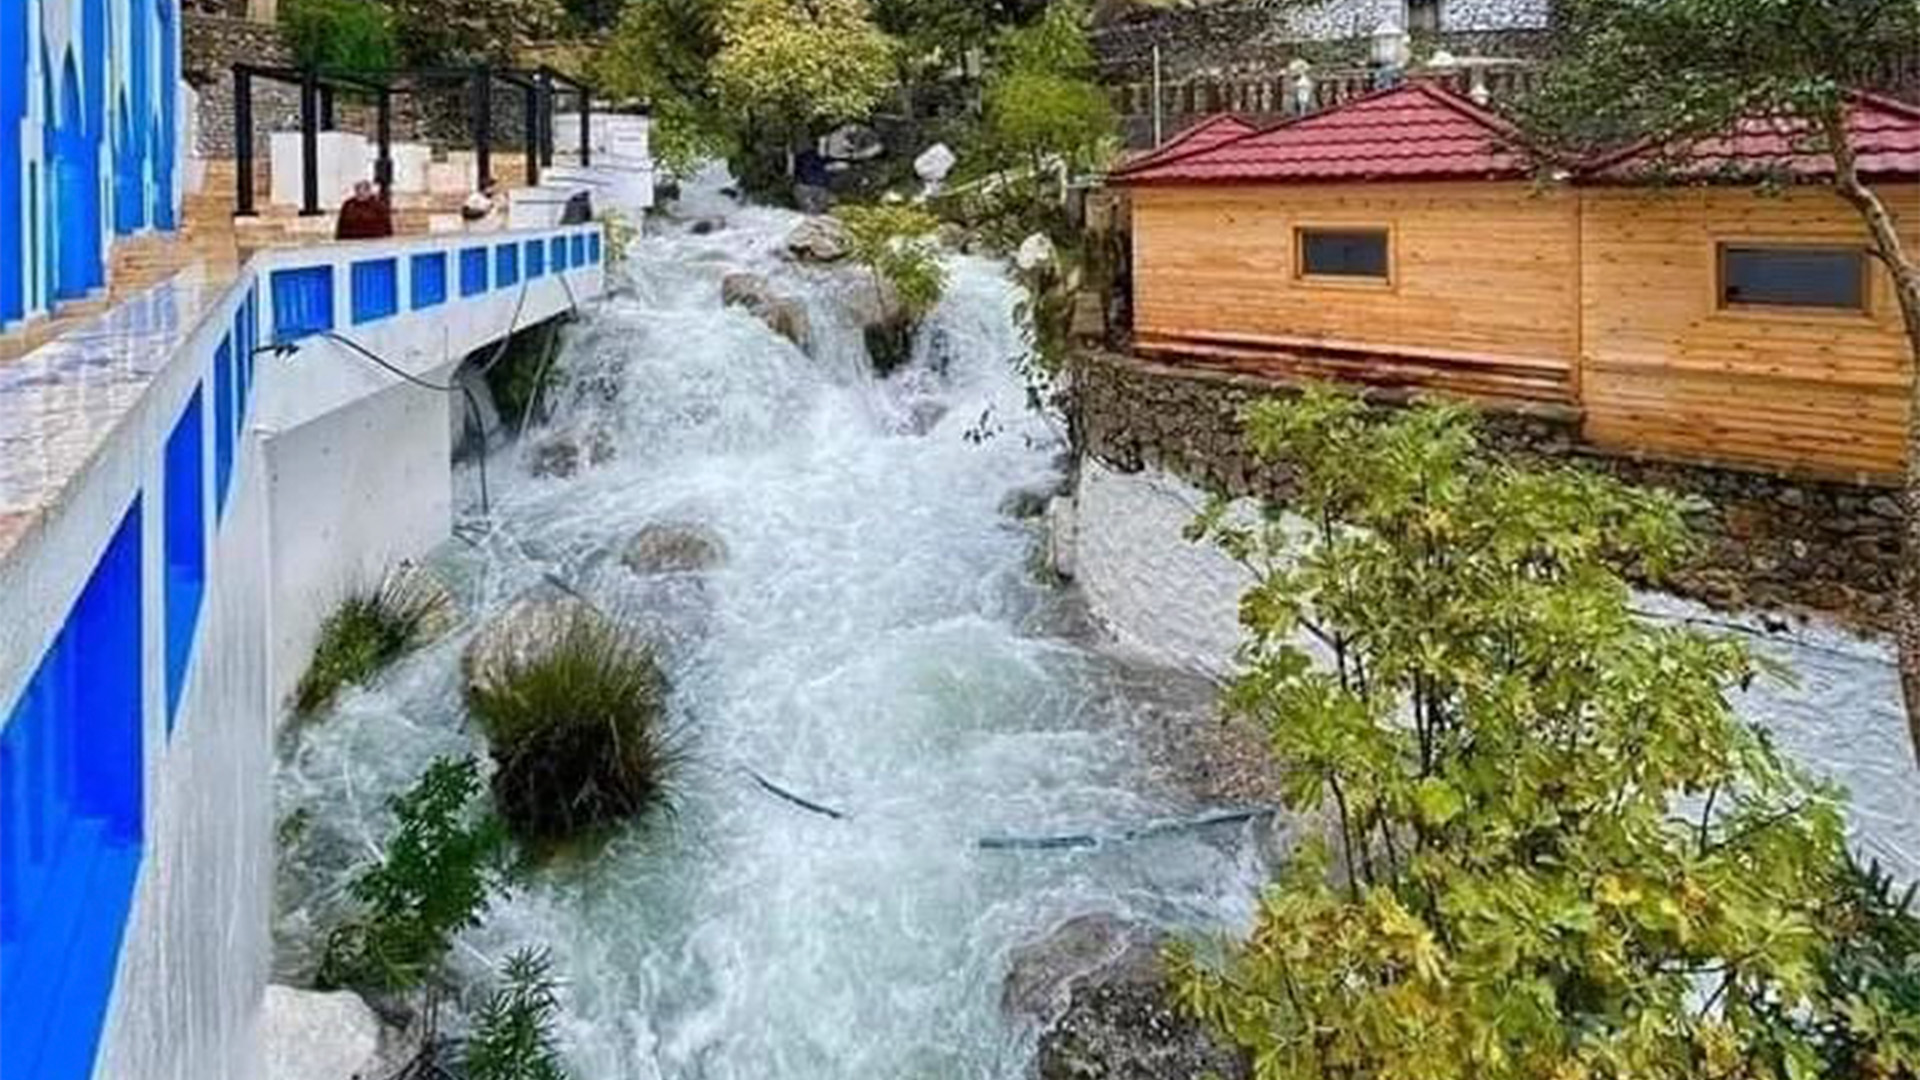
column 513, row 1034
column 578, row 733
column 369, row 630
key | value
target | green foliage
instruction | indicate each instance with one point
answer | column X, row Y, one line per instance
column 1671, row 70
column 466, row 31
column 661, row 51
column 799, row 63
column 620, row 236
column 1561, row 853
column 578, row 733
column 1872, row 976
column 353, row 37
column 896, row 241
column 368, row 631
column 521, row 376
column 434, row 878
column 1044, row 109
column 513, row 1034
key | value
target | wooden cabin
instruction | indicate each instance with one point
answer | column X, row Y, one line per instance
column 1403, row 240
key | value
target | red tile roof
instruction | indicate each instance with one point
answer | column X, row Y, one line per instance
column 1208, row 133
column 1415, row 131
column 1884, row 133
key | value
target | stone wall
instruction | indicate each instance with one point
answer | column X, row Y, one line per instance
column 1262, row 35
column 212, row 44
column 1770, row 543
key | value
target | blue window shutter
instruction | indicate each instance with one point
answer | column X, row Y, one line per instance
column 376, row 289
column 473, row 271
column 429, row 279
column 185, row 545
column 302, row 302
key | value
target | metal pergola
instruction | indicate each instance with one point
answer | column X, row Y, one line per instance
column 539, row 88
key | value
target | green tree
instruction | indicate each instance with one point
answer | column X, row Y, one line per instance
column 662, row 52
column 1044, row 110
column 1672, row 71
column 353, row 37
column 434, row 878
column 1555, row 850
column 468, row 31
column 798, row 64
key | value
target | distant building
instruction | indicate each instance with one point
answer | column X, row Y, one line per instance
column 89, row 141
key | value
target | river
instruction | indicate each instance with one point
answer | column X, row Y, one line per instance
column 876, row 640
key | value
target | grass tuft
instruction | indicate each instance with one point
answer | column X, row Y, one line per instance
column 578, row 733
column 368, row 631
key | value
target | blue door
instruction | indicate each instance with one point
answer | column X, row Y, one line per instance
column 163, row 142
column 73, row 193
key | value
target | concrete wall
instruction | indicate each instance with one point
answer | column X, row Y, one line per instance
column 338, row 467
column 90, row 100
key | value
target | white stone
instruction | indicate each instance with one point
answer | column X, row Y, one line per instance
column 315, row 1036
column 1035, row 251
column 935, row 163
column 410, row 162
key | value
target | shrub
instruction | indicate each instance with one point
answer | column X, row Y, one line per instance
column 434, row 878
column 1561, row 852
column 353, row 37
column 513, row 1034
column 577, row 731
column 368, row 631
column 895, row 242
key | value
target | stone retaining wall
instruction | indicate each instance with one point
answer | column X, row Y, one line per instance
column 1770, row 543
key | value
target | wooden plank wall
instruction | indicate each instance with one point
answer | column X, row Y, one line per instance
column 1603, row 298
column 1483, row 298
column 1668, row 372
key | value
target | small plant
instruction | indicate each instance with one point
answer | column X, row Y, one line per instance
column 368, row 631
column 435, row 877
column 895, row 242
column 620, row 234
column 513, row 1034
column 577, row 732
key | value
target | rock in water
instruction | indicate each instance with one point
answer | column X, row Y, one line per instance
column 673, row 548
column 783, row 315
column 1099, row 984
column 707, row 226
column 818, row 240
column 1035, row 252
column 525, row 630
column 315, row 1036
column 934, row 164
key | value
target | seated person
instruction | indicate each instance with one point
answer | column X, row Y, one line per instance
column 364, row 216
column 485, row 207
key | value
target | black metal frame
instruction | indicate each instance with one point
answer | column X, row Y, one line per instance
column 317, row 90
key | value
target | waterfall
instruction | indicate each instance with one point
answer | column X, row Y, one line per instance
column 875, row 641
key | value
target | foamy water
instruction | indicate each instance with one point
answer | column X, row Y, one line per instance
column 874, row 641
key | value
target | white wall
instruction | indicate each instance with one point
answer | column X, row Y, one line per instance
column 342, row 469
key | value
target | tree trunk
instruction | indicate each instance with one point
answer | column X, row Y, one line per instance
column 1906, row 285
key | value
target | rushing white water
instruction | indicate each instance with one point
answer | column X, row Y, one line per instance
column 875, row 640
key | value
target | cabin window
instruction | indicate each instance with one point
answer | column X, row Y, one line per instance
column 1423, row 16
column 1833, row 278
column 1343, row 253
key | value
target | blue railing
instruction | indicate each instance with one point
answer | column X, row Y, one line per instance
column 73, row 759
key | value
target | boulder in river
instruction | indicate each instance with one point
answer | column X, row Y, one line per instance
column 310, row 1035
column 707, row 225
column 529, row 625
column 783, row 315
column 818, row 240
column 1098, row 984
column 673, row 548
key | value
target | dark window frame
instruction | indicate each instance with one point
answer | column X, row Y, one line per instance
column 1863, row 286
column 1427, row 23
column 1302, row 272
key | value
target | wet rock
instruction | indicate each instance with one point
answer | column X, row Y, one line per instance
column 673, row 548
column 310, row 1035
column 1099, row 986
column 854, row 142
column 707, row 226
column 1062, row 537
column 935, row 163
column 783, row 315
column 562, row 454
column 1026, row 503
column 1035, row 252
column 818, row 240
column 528, row 626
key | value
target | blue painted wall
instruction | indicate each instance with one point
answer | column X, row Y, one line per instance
column 89, row 128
